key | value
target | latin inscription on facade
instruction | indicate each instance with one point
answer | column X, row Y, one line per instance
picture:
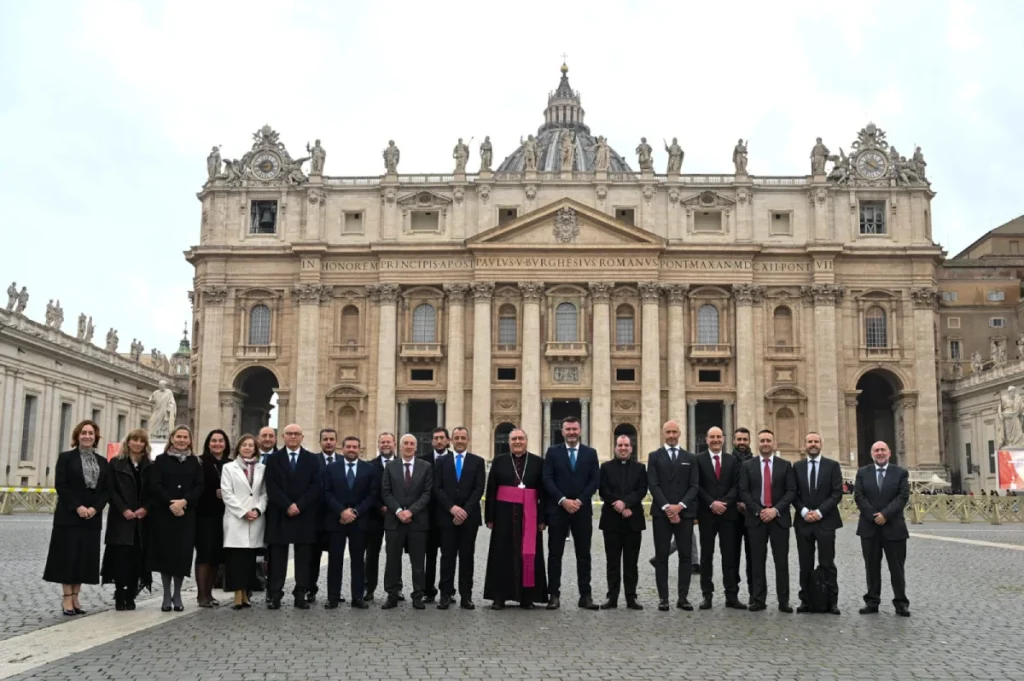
column 554, row 263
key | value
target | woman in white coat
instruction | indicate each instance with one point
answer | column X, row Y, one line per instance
column 245, row 499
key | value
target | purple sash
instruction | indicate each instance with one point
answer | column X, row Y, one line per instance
column 528, row 498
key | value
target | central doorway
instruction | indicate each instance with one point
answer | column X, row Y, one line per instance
column 422, row 421
column 706, row 415
column 875, row 418
column 561, row 409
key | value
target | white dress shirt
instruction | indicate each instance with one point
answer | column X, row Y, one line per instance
column 817, row 460
column 411, row 463
column 668, row 450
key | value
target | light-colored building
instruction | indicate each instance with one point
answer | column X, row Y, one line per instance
column 566, row 282
column 50, row 380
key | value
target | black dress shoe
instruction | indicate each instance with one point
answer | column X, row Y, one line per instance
column 129, row 604
column 163, row 608
column 389, row 603
column 834, row 610
column 274, row 604
column 633, row 605
column 903, row 612
column 310, row 597
column 587, row 603
column 429, row 597
column 359, row 604
column 237, row 607
column 554, row 603
column 341, row 599
column 118, row 605
column 705, row 603
column 331, row 604
column 496, row 605
column 757, row 607
column 79, row 611
column 801, row 609
column 179, row 608
column 610, row 604
column 368, row 597
column 401, row 597
column 653, row 562
column 417, row 604
column 527, row 605
column 786, row 608
column 301, row 604
column 444, row 603
column 735, row 604
column 684, row 604
column 467, row 604
column 869, row 610
column 663, row 606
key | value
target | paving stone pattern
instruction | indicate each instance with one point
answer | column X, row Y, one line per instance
column 967, row 603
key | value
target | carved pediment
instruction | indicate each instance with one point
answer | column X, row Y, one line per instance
column 566, row 222
column 707, row 199
column 257, row 293
column 424, row 200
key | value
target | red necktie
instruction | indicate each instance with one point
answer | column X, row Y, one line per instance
column 767, row 480
column 718, row 468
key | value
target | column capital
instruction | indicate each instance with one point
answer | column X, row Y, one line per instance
column 925, row 298
column 728, row 403
column 691, row 403
column 584, row 401
column 482, row 290
column 439, row 400
column 546, row 401
column 532, row 291
column 676, row 293
column 748, row 294
column 650, row 291
column 311, row 293
column 403, row 401
column 600, row 291
column 822, row 294
column 385, row 294
column 456, row 293
column 214, row 295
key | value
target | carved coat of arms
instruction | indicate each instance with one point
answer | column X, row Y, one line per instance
column 567, row 225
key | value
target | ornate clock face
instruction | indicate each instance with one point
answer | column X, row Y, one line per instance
column 266, row 166
column 871, row 165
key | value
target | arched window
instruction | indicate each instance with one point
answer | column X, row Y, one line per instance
column 348, row 421
column 424, row 324
column 565, row 323
column 783, row 320
column 876, row 332
column 507, row 324
column 259, row 325
column 624, row 325
column 707, row 325
column 350, row 325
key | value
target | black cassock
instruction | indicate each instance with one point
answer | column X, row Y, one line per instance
column 504, row 580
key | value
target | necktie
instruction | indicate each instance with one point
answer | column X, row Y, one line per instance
column 330, row 459
column 766, row 490
column 408, row 474
column 351, row 477
column 718, row 467
column 572, row 459
column 881, row 477
column 672, row 453
column 814, row 474
column 294, row 455
column 458, row 467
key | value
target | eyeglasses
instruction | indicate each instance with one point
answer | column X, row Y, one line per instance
column 293, row 433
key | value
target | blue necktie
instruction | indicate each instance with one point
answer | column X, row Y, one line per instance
column 351, row 477
column 293, row 460
column 458, row 467
column 572, row 459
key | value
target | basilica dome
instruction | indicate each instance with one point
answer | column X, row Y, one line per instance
column 563, row 118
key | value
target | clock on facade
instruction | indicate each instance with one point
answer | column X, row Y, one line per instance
column 266, row 166
column 871, row 165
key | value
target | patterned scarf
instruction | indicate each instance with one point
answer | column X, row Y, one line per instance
column 90, row 468
column 250, row 467
column 179, row 454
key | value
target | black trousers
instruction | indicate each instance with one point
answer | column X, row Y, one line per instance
column 431, row 553
column 458, row 542
column 760, row 536
column 355, row 537
column 741, row 545
column 664, row 532
column 712, row 527
column 895, row 551
column 316, row 554
column 374, row 542
column 278, row 554
column 560, row 525
column 807, row 539
column 622, row 552
column 399, row 541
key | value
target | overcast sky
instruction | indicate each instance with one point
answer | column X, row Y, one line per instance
column 109, row 109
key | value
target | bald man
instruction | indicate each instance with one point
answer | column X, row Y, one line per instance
column 882, row 490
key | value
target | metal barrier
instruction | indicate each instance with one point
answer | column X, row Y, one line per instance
column 28, row 499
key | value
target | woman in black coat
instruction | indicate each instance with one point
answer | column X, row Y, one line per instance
column 175, row 485
column 83, row 488
column 210, row 517
column 124, row 561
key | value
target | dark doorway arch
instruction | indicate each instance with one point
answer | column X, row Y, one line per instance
column 501, row 438
column 876, row 419
column 629, row 430
column 257, row 385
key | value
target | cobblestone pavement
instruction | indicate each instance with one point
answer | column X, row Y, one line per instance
column 967, row 603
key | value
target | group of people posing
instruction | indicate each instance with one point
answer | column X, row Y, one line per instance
column 226, row 507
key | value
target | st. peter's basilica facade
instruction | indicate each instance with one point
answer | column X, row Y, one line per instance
column 566, row 282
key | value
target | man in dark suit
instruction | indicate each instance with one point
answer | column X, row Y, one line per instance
column 327, row 456
column 571, row 477
column 351, row 493
column 458, row 486
column 375, row 523
column 741, row 540
column 673, row 480
column 719, row 475
column 439, row 440
column 882, row 491
column 768, row 488
column 406, row 486
column 293, row 499
column 623, row 487
column 819, row 489
column 266, row 440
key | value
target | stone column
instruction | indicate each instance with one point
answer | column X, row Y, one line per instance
column 927, row 413
column 601, row 375
column 545, row 441
column 848, row 455
column 455, row 395
column 650, row 368
column 746, row 296
column 403, row 417
column 440, row 414
column 676, row 294
column 532, row 362
column 825, row 297
column 307, row 398
column 585, row 421
column 212, row 299
column 691, row 416
column 482, row 436
column 727, row 423
column 387, row 339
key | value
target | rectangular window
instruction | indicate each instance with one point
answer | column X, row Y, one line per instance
column 65, row 425
column 421, row 375
column 991, row 457
column 1014, row 248
column 954, row 350
column 263, row 217
column 144, row 424
column 707, row 221
column 781, row 224
column 625, row 375
column 997, row 322
column 507, row 215
column 122, row 425
column 995, row 296
column 506, row 373
column 970, row 461
column 424, row 221
column 624, row 331
column 709, row 376
column 507, row 330
column 96, row 414
column 949, row 296
column 352, row 222
column 24, row 482
column 627, row 215
column 872, row 217
column 953, row 323
column 28, row 426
